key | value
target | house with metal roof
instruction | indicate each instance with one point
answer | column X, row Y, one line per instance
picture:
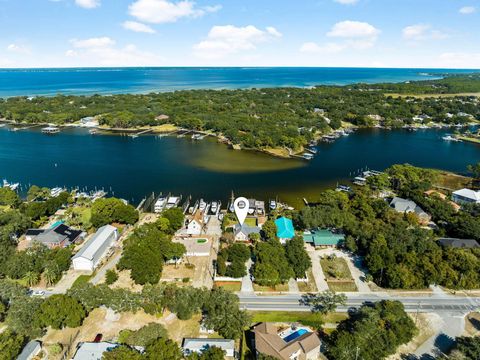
column 285, row 229
column 93, row 350
column 323, row 238
column 30, row 350
column 56, row 237
column 197, row 345
column 466, row 196
column 243, row 232
column 408, row 206
column 459, row 243
column 90, row 255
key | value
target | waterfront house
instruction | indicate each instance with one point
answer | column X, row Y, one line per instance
column 287, row 344
column 466, row 196
column 408, row 206
column 30, row 351
column 89, row 122
column 243, row 232
column 459, row 243
column 90, row 255
column 93, row 350
column 59, row 236
column 285, row 230
column 197, row 345
column 323, row 238
column 195, row 225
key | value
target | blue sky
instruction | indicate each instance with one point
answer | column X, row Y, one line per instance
column 370, row 33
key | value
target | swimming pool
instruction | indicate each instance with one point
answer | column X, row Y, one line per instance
column 295, row 335
column 56, row 223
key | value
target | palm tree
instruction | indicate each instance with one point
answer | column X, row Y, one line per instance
column 31, row 278
column 50, row 275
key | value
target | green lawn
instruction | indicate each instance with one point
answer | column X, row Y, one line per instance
column 251, row 221
column 292, row 316
column 310, row 286
column 230, row 286
column 342, row 286
column 277, row 288
column 335, row 268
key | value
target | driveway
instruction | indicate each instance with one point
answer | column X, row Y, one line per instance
column 111, row 263
column 247, row 284
column 317, row 271
column 354, row 265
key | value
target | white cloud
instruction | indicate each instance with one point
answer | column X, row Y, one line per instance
column 466, row 10
column 18, row 49
column 346, row 2
column 229, row 39
column 164, row 11
column 88, row 4
column 102, row 51
column 138, row 27
column 421, row 32
column 97, row 42
column 329, row 48
column 353, row 29
column 459, row 60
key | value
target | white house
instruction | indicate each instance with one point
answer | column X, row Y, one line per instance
column 466, row 196
column 30, row 351
column 92, row 350
column 191, row 346
column 94, row 250
column 195, row 225
column 242, row 233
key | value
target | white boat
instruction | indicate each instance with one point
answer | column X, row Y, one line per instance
column 50, row 130
column 202, row 206
column 214, row 207
column 307, row 156
column 449, row 137
column 55, row 192
column 160, row 204
column 98, row 195
column 273, row 204
column 13, row 186
column 172, row 202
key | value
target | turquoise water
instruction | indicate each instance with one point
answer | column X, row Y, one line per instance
column 79, row 81
column 295, row 335
column 55, row 224
column 133, row 168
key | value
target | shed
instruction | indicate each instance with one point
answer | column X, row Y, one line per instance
column 95, row 249
column 285, row 228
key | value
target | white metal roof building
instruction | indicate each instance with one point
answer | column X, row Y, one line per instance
column 93, row 351
column 463, row 196
column 95, row 249
column 199, row 345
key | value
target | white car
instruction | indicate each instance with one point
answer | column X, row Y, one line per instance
column 37, row 293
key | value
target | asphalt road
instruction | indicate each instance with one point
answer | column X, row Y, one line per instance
column 436, row 304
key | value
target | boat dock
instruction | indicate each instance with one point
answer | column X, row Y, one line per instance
column 140, row 133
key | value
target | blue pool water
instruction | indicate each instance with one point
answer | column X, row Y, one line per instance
column 55, row 224
column 295, row 335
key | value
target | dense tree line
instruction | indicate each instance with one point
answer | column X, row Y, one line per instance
column 398, row 252
column 372, row 332
column 112, row 210
column 147, row 249
column 258, row 118
column 236, row 255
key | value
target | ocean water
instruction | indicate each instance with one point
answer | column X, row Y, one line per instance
column 88, row 81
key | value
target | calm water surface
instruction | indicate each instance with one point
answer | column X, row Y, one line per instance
column 78, row 81
column 134, row 168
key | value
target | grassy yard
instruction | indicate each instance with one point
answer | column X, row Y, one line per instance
column 309, row 286
column 339, row 278
column 230, row 286
column 335, row 268
column 292, row 316
column 277, row 288
column 452, row 181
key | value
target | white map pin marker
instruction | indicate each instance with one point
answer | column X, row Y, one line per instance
column 241, row 206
